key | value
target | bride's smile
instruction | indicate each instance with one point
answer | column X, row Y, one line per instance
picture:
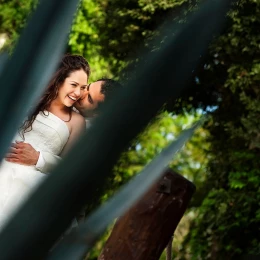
column 72, row 88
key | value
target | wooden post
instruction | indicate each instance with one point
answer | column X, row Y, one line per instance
column 145, row 230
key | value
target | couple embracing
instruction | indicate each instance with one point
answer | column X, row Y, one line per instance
column 49, row 131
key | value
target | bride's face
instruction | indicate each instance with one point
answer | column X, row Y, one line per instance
column 72, row 88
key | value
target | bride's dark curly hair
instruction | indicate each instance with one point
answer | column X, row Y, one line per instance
column 69, row 64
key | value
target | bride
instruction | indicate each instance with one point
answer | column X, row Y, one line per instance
column 53, row 126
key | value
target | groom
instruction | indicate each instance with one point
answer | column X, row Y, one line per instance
column 95, row 94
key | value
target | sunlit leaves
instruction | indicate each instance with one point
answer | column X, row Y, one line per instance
column 13, row 17
column 230, row 210
column 85, row 38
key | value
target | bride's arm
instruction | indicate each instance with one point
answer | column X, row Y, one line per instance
column 78, row 124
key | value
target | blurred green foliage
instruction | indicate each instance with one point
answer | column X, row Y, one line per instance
column 85, row 36
column 228, row 225
column 13, row 17
column 222, row 159
column 190, row 161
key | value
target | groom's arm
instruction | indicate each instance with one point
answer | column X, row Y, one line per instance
column 47, row 161
column 24, row 153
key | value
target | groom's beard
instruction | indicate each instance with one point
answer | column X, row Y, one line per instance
column 88, row 113
column 84, row 113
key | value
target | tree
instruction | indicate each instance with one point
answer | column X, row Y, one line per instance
column 226, row 84
column 85, row 38
column 13, row 17
column 228, row 219
column 128, row 26
column 190, row 162
column 222, row 159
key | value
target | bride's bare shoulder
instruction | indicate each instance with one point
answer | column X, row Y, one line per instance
column 77, row 118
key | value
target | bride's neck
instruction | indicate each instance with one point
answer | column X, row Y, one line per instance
column 59, row 108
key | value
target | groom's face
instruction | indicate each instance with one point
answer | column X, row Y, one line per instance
column 90, row 99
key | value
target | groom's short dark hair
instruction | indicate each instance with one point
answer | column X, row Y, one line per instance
column 108, row 87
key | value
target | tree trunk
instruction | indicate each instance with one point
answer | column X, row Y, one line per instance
column 145, row 230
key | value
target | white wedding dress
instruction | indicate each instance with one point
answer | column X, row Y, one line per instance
column 49, row 133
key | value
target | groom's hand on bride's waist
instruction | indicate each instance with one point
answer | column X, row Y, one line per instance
column 22, row 153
